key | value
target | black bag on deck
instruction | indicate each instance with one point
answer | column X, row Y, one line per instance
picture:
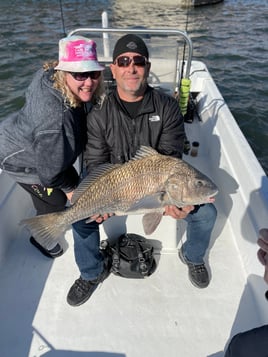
column 130, row 256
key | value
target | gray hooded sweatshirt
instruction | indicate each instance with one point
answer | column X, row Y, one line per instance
column 40, row 143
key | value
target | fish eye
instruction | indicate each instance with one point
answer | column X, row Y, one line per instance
column 199, row 183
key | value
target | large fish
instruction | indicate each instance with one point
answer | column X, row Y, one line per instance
column 143, row 185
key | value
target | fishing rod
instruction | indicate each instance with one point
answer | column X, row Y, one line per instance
column 186, row 101
column 184, row 46
column 62, row 19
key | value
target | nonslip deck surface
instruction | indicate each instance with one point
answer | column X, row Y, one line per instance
column 163, row 315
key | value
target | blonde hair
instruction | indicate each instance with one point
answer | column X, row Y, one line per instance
column 59, row 79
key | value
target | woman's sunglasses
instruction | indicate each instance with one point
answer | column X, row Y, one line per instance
column 82, row 76
column 124, row 61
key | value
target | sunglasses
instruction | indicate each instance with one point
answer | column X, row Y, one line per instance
column 82, row 76
column 124, row 61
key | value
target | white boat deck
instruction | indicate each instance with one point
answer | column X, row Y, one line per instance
column 163, row 315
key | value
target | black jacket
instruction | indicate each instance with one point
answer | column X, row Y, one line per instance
column 113, row 136
column 252, row 343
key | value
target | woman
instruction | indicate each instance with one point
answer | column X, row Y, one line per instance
column 40, row 144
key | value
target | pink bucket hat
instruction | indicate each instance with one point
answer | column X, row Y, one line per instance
column 78, row 54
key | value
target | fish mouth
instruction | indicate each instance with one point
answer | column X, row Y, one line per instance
column 211, row 197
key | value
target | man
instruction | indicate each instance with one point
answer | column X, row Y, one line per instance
column 135, row 114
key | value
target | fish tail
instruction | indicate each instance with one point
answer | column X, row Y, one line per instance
column 46, row 228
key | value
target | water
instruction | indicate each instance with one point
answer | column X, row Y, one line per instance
column 231, row 38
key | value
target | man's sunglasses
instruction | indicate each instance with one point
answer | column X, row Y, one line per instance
column 124, row 61
column 82, row 76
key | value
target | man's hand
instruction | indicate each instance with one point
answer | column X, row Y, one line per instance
column 178, row 213
column 69, row 195
column 99, row 219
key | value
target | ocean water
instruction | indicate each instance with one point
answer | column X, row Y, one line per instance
column 230, row 37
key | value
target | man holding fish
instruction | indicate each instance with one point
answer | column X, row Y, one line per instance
column 136, row 115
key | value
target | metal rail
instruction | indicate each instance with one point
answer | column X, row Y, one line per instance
column 167, row 32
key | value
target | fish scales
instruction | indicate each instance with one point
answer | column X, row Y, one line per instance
column 129, row 183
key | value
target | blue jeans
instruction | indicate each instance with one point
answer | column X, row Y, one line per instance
column 87, row 241
column 200, row 223
column 87, row 249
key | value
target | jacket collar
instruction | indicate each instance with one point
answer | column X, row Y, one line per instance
column 147, row 103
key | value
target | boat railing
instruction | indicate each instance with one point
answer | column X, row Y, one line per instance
column 139, row 31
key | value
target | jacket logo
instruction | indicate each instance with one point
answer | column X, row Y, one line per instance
column 155, row 118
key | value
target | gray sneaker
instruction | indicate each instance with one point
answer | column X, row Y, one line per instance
column 198, row 273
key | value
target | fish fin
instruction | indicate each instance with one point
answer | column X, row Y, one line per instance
column 148, row 202
column 144, row 151
column 151, row 221
column 46, row 228
column 90, row 178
